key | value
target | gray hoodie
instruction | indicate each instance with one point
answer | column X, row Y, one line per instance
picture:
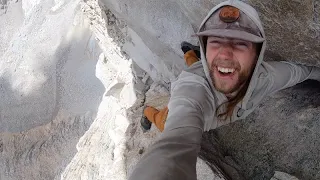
column 193, row 103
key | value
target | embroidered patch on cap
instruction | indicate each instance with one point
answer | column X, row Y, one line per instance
column 229, row 14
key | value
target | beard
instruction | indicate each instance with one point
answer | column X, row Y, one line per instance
column 239, row 77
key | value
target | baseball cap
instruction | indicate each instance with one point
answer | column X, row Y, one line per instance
column 230, row 22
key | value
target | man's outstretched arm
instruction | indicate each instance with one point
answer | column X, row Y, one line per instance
column 174, row 154
column 285, row 74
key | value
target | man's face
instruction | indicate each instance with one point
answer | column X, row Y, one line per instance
column 231, row 62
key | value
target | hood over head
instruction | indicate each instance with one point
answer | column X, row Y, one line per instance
column 237, row 20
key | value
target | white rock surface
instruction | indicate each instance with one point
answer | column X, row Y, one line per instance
column 47, row 65
column 49, row 90
column 283, row 176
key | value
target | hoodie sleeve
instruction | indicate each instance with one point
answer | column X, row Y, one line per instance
column 285, row 74
column 174, row 154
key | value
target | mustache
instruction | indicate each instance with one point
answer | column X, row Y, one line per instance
column 226, row 63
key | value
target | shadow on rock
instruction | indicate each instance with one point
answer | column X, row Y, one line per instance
column 281, row 135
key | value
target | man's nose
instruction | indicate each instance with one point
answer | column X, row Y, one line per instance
column 226, row 51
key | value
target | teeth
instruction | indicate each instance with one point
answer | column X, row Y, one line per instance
column 225, row 70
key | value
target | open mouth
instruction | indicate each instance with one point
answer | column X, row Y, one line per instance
column 225, row 72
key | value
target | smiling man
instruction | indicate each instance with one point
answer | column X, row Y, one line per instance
column 231, row 62
column 226, row 85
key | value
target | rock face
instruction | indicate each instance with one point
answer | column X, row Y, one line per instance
column 65, row 73
column 282, row 134
column 42, row 152
column 49, row 90
column 41, row 71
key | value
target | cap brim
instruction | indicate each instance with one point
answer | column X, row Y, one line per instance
column 230, row 33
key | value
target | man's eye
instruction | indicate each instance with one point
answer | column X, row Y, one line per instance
column 241, row 44
column 215, row 42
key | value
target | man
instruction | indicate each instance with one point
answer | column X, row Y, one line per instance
column 227, row 85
